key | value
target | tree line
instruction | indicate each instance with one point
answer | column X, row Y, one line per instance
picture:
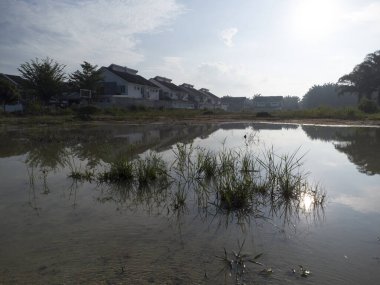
column 360, row 87
column 46, row 78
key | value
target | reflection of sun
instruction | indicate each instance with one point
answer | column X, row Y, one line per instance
column 307, row 201
column 314, row 19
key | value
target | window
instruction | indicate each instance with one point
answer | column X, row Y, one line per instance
column 122, row 89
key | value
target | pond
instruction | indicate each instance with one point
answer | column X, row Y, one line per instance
column 57, row 228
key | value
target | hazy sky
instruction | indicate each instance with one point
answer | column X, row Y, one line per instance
column 232, row 47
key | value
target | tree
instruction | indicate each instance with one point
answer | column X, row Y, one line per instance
column 44, row 76
column 326, row 95
column 8, row 92
column 88, row 78
column 364, row 79
column 291, row 103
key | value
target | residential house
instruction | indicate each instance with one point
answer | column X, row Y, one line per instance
column 234, row 104
column 124, row 82
column 267, row 103
column 19, row 83
column 174, row 96
column 212, row 101
column 200, row 99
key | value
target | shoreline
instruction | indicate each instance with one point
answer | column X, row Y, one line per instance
column 46, row 121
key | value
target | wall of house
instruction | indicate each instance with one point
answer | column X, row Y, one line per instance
column 130, row 90
column 122, row 85
column 165, row 90
column 152, row 93
column 135, row 91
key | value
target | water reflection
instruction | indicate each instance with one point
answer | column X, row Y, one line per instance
column 361, row 145
column 183, row 224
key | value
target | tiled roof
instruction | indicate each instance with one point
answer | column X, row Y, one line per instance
column 169, row 85
column 133, row 78
column 267, row 98
column 206, row 91
column 233, row 99
column 194, row 93
column 15, row 78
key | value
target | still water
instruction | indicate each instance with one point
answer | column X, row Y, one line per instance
column 55, row 230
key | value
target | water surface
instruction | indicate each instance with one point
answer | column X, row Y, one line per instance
column 54, row 230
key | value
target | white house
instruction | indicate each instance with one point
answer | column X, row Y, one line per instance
column 122, row 81
column 169, row 90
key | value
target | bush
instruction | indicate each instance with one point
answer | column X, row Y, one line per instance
column 88, row 110
column 368, row 106
column 263, row 115
column 208, row 112
column 34, row 108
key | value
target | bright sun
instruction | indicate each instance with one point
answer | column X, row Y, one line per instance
column 314, row 19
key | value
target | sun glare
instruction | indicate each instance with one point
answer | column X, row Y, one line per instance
column 307, row 202
column 314, row 19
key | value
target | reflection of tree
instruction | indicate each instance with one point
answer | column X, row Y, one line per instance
column 363, row 150
column 361, row 145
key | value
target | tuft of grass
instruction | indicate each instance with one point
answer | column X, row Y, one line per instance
column 151, row 169
column 120, row 171
column 86, row 175
column 236, row 263
column 206, row 164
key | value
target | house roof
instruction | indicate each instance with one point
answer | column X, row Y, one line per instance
column 167, row 83
column 194, row 93
column 207, row 92
column 18, row 80
column 133, row 78
column 226, row 99
column 268, row 98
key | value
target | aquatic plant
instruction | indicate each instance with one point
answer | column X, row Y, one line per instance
column 206, row 164
column 86, row 175
column 236, row 263
column 120, row 170
column 150, row 169
column 179, row 199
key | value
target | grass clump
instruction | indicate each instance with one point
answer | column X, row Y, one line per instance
column 120, row 171
column 151, row 169
column 86, row 175
column 206, row 164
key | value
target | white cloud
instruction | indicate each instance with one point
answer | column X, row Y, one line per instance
column 223, row 79
column 227, row 36
column 365, row 202
column 168, row 66
column 99, row 31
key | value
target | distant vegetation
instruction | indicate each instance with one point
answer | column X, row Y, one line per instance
column 360, row 88
column 327, row 95
column 364, row 79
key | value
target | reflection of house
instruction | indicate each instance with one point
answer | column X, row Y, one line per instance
column 267, row 103
column 124, row 82
column 175, row 96
column 234, row 104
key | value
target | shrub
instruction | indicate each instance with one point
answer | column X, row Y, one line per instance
column 88, row 110
column 368, row 106
column 263, row 115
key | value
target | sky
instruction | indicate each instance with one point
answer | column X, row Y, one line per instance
column 235, row 48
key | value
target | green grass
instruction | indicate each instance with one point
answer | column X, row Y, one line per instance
column 348, row 113
column 151, row 169
column 121, row 170
column 230, row 179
